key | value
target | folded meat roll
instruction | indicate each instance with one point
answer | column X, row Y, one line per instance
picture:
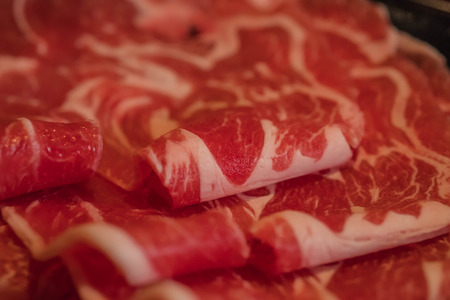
column 37, row 154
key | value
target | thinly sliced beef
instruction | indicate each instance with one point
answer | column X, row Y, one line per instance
column 236, row 150
column 396, row 191
column 36, row 154
column 187, row 247
column 84, row 223
column 323, row 133
column 416, row 271
column 75, row 222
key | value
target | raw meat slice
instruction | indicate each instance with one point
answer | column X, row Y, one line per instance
column 236, row 150
column 37, row 154
column 416, row 271
column 395, row 192
column 184, row 256
column 75, row 219
column 317, row 244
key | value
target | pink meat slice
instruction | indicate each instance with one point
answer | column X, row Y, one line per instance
column 236, row 150
column 185, row 255
column 395, row 192
column 37, row 154
column 416, row 271
column 90, row 220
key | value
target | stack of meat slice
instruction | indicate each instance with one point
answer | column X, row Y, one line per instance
column 220, row 150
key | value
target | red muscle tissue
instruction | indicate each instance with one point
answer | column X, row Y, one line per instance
column 220, row 150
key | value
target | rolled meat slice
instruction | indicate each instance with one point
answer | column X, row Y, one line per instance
column 38, row 154
column 101, row 230
column 231, row 151
column 395, row 192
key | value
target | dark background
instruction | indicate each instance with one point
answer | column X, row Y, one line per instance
column 428, row 20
